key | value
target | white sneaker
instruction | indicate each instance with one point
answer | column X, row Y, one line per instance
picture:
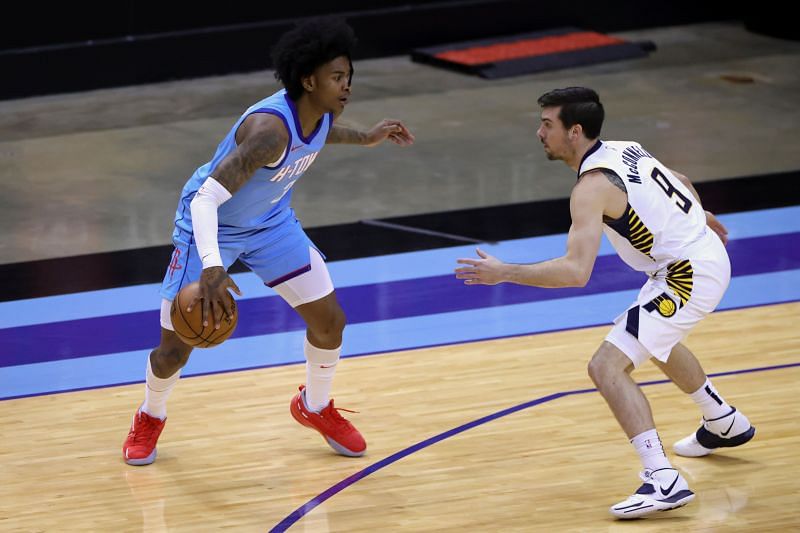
column 663, row 489
column 727, row 431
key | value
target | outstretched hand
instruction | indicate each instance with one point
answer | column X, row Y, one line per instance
column 484, row 271
column 391, row 129
column 214, row 297
column 717, row 227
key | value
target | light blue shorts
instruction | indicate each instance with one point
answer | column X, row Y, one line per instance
column 275, row 254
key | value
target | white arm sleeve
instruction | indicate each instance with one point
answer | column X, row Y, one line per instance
column 204, row 207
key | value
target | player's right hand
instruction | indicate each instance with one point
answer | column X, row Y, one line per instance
column 214, row 296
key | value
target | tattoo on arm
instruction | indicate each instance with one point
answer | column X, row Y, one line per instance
column 614, row 179
column 261, row 148
column 343, row 135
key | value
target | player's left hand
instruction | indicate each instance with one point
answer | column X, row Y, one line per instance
column 484, row 271
column 391, row 129
column 717, row 227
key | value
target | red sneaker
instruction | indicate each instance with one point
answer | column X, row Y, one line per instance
column 334, row 428
column 140, row 446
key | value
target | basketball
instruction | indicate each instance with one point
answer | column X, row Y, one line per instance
column 189, row 325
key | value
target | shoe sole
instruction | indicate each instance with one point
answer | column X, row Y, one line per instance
column 679, row 500
column 709, row 440
column 143, row 461
column 338, row 448
column 715, row 443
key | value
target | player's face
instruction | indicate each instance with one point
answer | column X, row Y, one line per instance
column 552, row 134
column 332, row 85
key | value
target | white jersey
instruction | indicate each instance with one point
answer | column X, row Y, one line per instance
column 663, row 233
column 663, row 221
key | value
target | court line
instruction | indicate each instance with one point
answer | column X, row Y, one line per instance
column 361, row 271
column 115, row 370
column 304, row 509
column 88, row 337
column 423, row 231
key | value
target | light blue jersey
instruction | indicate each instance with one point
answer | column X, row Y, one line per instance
column 263, row 201
column 256, row 226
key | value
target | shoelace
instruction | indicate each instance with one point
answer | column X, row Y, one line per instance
column 144, row 430
column 650, row 483
column 336, row 417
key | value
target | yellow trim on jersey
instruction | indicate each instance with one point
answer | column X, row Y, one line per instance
column 679, row 279
column 639, row 236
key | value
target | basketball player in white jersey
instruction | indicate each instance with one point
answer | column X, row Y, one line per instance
column 653, row 217
column 237, row 206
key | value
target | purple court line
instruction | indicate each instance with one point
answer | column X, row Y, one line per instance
column 365, row 354
column 307, row 507
column 73, row 339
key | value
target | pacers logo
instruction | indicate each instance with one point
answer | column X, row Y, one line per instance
column 663, row 304
column 666, row 307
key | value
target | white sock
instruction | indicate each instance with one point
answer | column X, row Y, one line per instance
column 710, row 402
column 651, row 452
column 320, row 368
column 156, row 392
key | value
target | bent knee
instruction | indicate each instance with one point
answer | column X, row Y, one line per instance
column 608, row 362
column 596, row 369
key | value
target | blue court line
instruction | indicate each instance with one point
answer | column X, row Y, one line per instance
column 384, row 336
column 307, row 507
column 364, row 303
column 370, row 270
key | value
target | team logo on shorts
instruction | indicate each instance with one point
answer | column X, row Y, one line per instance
column 663, row 304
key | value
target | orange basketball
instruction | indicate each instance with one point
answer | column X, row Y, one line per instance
column 189, row 326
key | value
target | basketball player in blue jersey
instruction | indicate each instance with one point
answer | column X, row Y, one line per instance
column 653, row 217
column 237, row 206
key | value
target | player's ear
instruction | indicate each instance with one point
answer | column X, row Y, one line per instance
column 308, row 83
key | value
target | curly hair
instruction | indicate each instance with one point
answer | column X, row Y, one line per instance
column 310, row 44
column 579, row 105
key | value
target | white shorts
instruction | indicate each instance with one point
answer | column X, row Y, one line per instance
column 671, row 303
column 308, row 287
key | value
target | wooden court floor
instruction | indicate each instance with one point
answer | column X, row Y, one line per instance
column 232, row 458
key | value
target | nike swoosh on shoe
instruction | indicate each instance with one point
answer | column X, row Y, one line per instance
column 725, row 433
column 665, row 492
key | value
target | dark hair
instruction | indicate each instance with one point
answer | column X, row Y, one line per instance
column 310, row 44
column 579, row 105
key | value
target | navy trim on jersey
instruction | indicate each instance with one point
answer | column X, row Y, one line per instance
column 297, row 124
column 183, row 205
column 186, row 261
column 592, row 169
column 620, row 225
column 288, row 130
column 591, row 150
column 287, row 277
column 632, row 323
